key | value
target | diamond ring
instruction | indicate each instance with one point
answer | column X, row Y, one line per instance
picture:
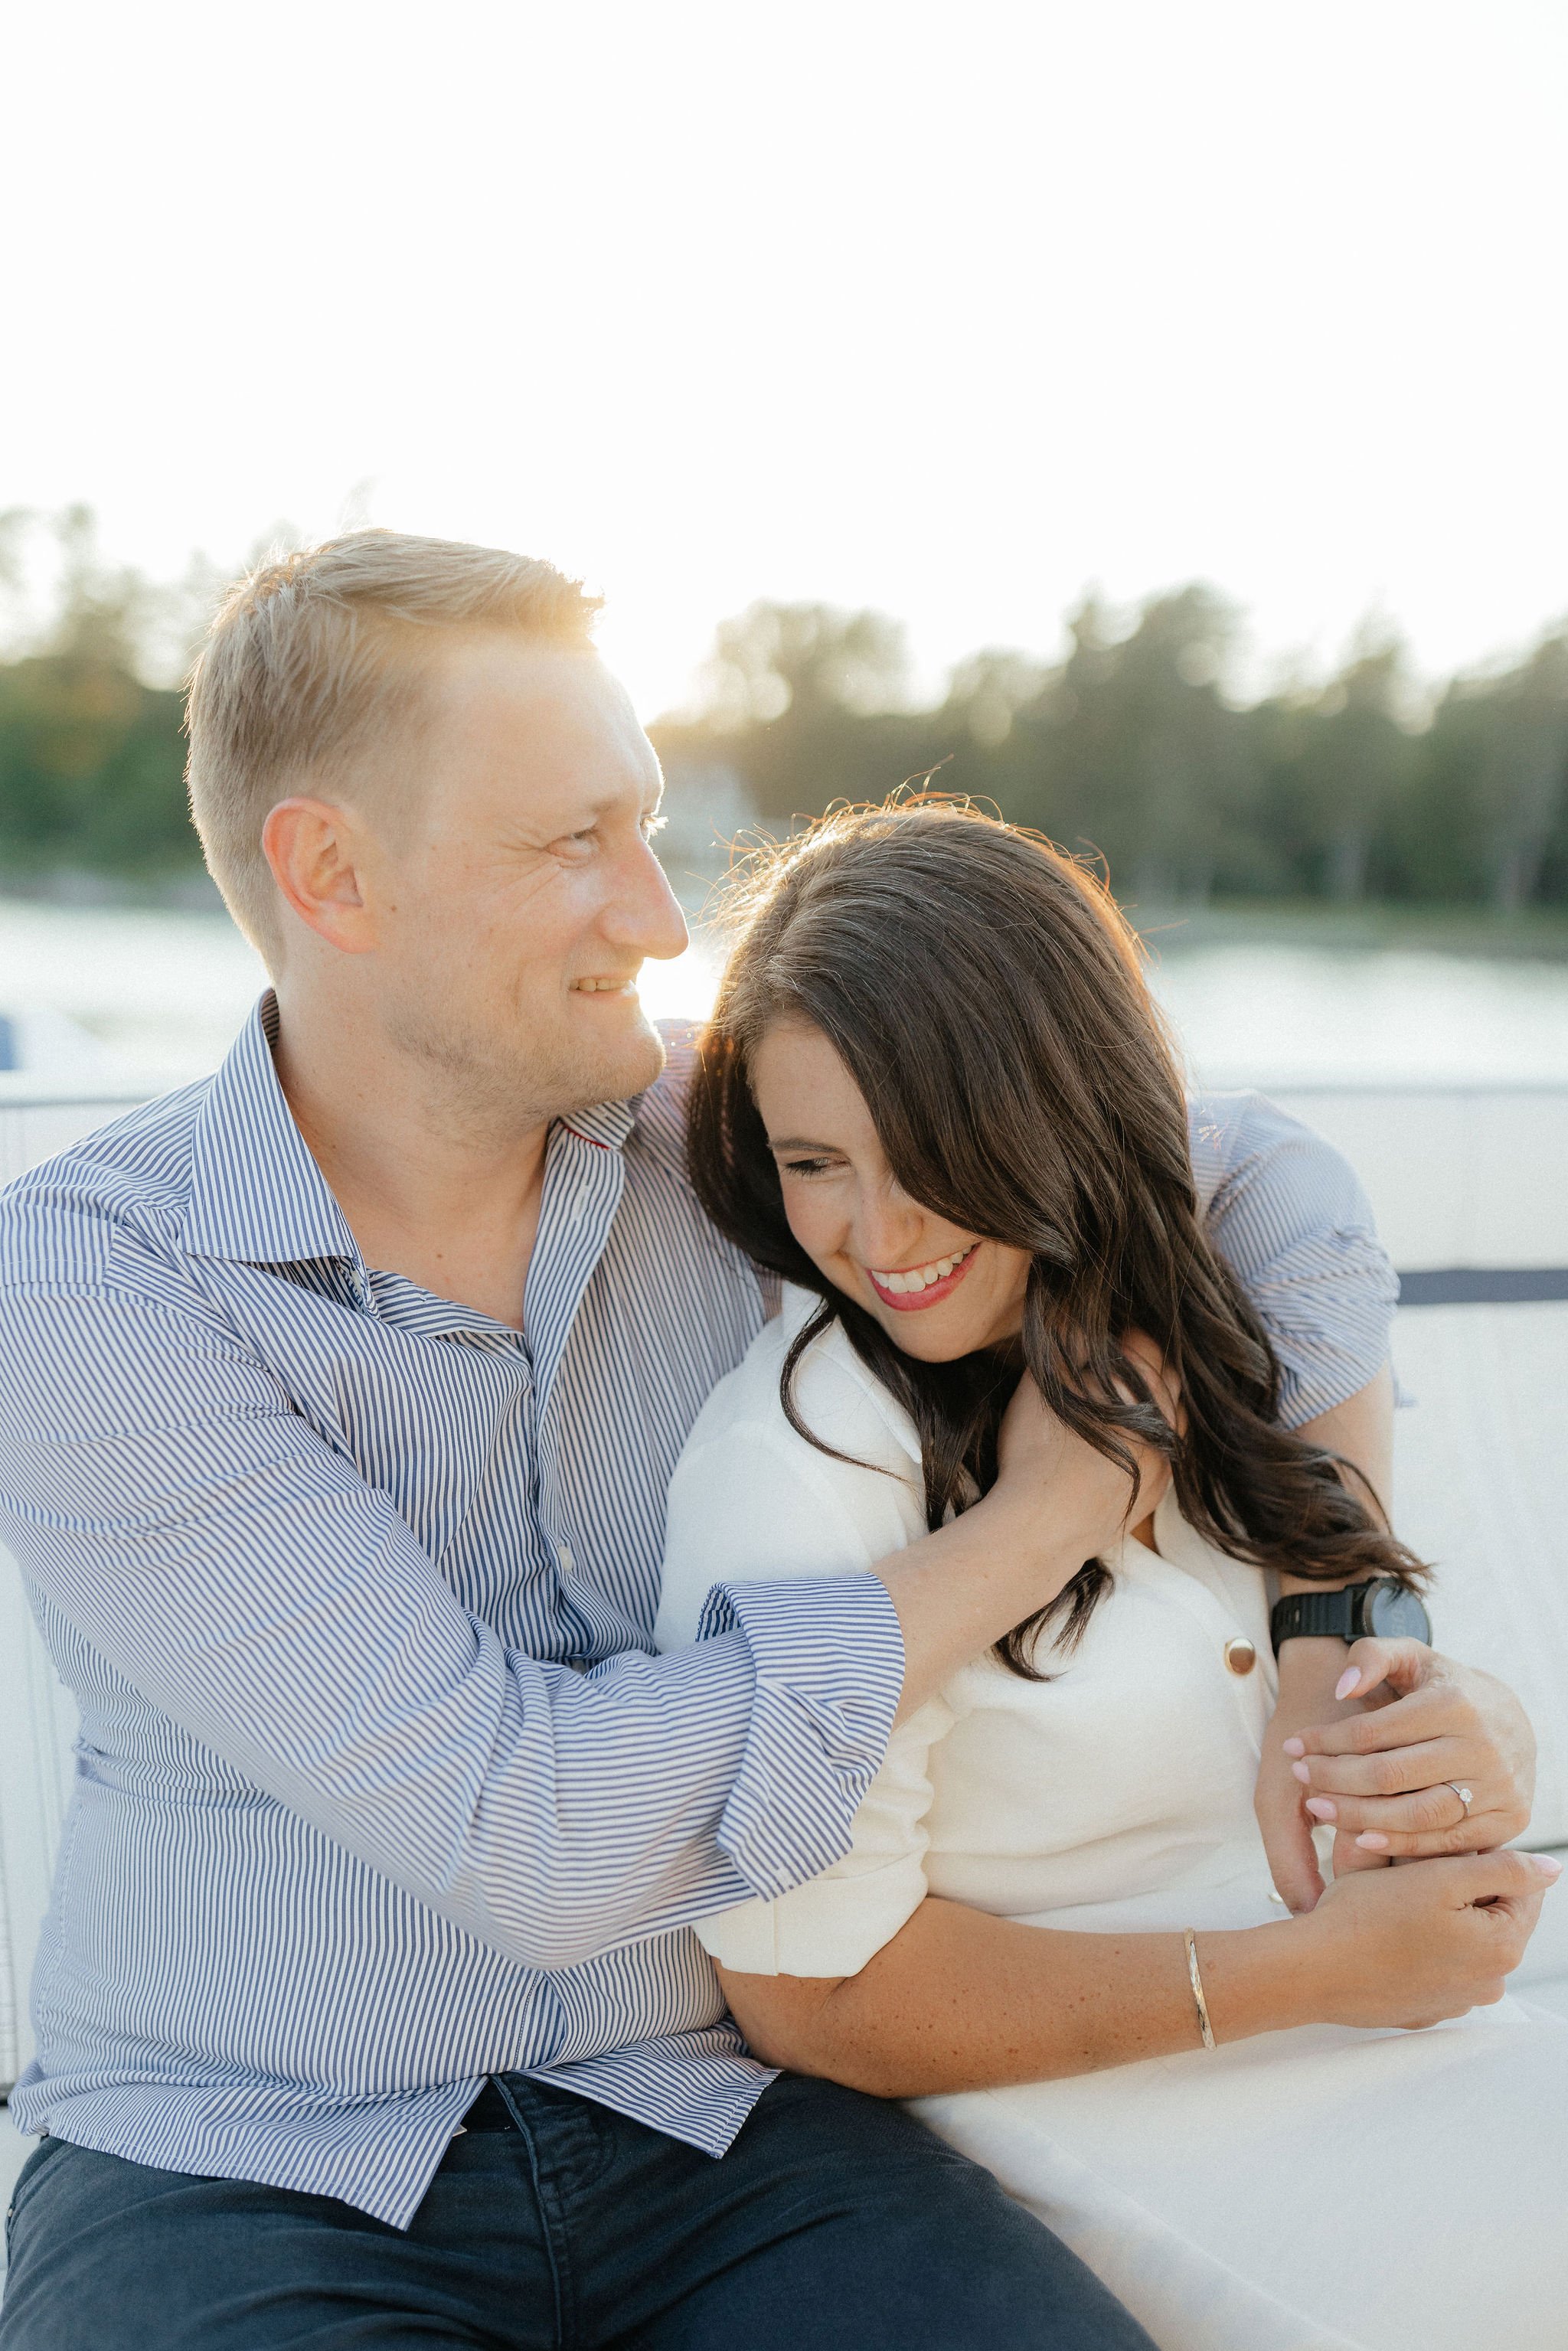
column 1465, row 1795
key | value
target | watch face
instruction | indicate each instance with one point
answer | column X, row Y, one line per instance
column 1395, row 1615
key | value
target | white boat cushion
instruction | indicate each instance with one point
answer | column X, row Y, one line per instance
column 1479, row 1490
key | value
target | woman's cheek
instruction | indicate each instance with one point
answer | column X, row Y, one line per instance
column 821, row 1235
column 798, row 1210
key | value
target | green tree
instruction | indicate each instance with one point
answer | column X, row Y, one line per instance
column 91, row 758
column 1354, row 758
column 1524, row 771
column 803, row 703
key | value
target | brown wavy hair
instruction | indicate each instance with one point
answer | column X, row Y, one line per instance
column 987, row 996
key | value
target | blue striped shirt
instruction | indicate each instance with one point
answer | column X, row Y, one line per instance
column 379, row 1787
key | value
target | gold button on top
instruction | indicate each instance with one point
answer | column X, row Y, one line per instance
column 1241, row 1656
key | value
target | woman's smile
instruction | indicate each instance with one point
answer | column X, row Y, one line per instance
column 862, row 1230
column 920, row 1286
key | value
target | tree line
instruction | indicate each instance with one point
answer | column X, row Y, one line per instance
column 1128, row 747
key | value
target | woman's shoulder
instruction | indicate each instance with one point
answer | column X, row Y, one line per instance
column 754, row 1500
column 838, row 1398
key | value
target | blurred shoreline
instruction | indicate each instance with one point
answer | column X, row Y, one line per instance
column 1270, row 996
column 1531, row 933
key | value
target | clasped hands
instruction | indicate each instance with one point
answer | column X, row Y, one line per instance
column 1370, row 1741
column 1374, row 1741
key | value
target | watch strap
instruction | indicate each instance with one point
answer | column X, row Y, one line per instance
column 1315, row 1616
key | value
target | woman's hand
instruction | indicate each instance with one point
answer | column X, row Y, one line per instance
column 1415, row 1946
column 959, row 2000
column 1382, row 1777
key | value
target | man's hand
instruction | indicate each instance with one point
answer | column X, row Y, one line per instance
column 1382, row 1777
column 1056, row 1502
column 1088, row 1497
column 1310, row 1671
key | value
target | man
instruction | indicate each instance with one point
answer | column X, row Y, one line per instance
column 340, row 1395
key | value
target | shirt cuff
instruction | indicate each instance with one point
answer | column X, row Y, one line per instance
column 827, row 1658
column 834, row 1927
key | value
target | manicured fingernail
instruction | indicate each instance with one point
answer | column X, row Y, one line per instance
column 1302, row 1773
column 1321, row 1809
column 1373, row 1841
column 1295, row 1746
column 1347, row 1681
column 1546, row 1865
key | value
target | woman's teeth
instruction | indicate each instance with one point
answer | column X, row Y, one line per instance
column 921, row 1277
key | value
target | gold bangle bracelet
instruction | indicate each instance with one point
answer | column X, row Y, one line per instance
column 1196, row 1981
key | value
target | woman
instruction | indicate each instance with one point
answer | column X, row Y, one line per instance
column 936, row 1099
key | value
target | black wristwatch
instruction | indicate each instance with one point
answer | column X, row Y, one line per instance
column 1381, row 1606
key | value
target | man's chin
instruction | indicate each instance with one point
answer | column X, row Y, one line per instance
column 617, row 1068
column 650, row 1059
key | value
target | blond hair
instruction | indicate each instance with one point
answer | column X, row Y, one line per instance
column 316, row 658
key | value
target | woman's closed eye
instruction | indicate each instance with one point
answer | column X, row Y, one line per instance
column 807, row 1167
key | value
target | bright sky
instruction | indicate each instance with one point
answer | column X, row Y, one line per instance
column 946, row 309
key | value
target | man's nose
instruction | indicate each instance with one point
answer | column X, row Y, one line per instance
column 646, row 914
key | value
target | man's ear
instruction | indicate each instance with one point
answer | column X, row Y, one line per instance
column 316, row 852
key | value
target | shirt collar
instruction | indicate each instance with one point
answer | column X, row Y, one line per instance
column 608, row 1124
column 257, row 1195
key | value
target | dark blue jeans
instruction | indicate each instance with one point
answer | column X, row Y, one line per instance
column 835, row 2223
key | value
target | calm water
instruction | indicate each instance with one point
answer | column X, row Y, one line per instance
column 164, row 994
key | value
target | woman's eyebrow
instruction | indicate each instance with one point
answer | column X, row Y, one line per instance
column 797, row 1142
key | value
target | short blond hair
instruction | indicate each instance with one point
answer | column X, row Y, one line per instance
column 314, row 658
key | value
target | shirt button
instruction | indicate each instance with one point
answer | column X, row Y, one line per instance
column 563, row 1554
column 1241, row 1656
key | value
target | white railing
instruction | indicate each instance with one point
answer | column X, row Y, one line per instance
column 1459, row 1175
column 37, row 1120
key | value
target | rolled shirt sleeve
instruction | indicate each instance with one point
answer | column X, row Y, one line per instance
column 822, row 1689
column 790, row 1529
column 836, row 1924
column 1287, row 1213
